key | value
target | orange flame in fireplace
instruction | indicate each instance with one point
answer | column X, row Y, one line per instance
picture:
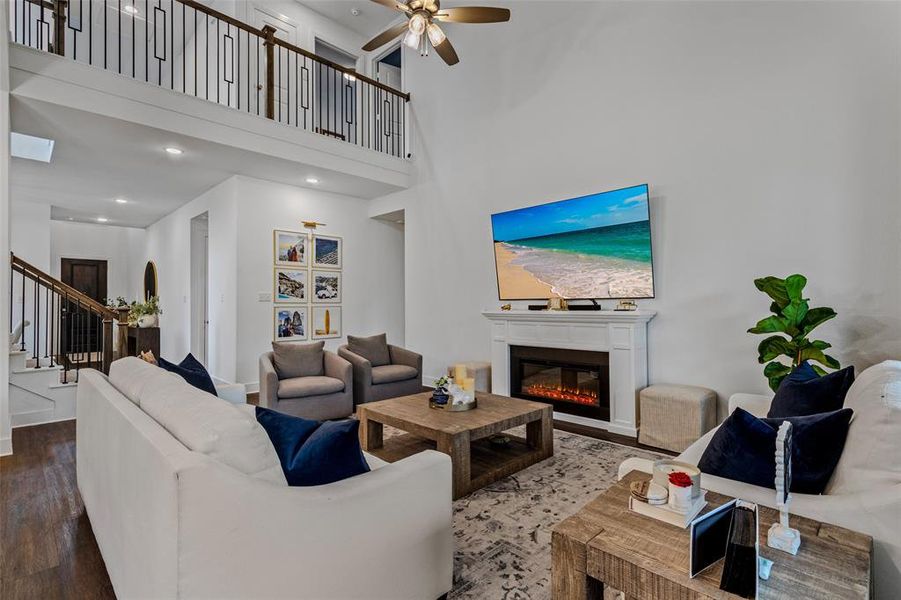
column 559, row 393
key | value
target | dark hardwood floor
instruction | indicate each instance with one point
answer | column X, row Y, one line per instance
column 47, row 548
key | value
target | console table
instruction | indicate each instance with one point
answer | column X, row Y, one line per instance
column 607, row 544
column 142, row 339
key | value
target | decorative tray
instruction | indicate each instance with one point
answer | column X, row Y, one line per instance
column 449, row 407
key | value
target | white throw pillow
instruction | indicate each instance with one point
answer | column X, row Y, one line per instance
column 131, row 376
column 872, row 454
column 214, row 427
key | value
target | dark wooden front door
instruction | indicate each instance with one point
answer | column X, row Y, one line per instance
column 81, row 331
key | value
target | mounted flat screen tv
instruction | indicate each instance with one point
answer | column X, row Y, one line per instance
column 596, row 246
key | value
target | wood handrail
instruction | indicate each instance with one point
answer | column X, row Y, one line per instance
column 343, row 69
column 35, row 274
column 289, row 46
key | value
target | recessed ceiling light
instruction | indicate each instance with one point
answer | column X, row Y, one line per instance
column 175, row 151
column 312, row 180
column 121, row 201
column 102, row 219
column 132, row 10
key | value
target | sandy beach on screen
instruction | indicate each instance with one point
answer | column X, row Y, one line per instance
column 515, row 281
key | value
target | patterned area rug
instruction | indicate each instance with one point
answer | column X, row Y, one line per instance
column 503, row 531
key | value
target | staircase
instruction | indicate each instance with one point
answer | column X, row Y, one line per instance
column 68, row 331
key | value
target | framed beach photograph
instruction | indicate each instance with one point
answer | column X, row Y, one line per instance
column 290, row 324
column 327, row 252
column 290, row 285
column 326, row 287
column 326, row 322
column 290, row 248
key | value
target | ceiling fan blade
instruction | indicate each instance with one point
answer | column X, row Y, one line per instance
column 385, row 37
column 473, row 14
column 392, row 4
column 447, row 53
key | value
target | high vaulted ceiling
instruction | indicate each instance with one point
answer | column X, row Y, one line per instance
column 371, row 17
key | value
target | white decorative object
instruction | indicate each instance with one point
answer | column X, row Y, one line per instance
column 679, row 498
column 16, row 336
column 781, row 536
column 623, row 335
column 145, row 321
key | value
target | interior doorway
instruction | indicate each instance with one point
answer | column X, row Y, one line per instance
column 337, row 113
column 200, row 285
column 387, row 68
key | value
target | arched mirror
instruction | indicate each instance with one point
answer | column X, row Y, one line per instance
column 150, row 281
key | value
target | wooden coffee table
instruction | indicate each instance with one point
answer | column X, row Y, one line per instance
column 461, row 435
column 607, row 544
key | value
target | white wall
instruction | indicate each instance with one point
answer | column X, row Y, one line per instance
column 5, row 429
column 768, row 132
column 169, row 246
column 372, row 274
column 242, row 215
column 30, row 241
column 121, row 247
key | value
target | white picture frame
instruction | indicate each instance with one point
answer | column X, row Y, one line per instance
column 325, row 287
column 327, row 252
column 286, row 320
column 285, row 282
column 284, row 242
column 326, row 322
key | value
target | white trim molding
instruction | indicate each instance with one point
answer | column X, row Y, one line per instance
column 622, row 334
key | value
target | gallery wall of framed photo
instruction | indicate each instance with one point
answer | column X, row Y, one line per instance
column 307, row 286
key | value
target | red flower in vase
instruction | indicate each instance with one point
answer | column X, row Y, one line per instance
column 680, row 479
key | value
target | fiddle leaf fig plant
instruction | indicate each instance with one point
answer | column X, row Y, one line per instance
column 792, row 321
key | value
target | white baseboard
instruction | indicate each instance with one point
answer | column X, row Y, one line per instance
column 597, row 424
column 253, row 387
column 43, row 422
column 6, row 446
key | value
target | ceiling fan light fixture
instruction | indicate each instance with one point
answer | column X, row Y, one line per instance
column 418, row 23
column 411, row 39
column 436, row 35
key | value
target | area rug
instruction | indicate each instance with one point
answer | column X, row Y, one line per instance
column 503, row 531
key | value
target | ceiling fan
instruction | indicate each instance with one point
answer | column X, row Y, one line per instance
column 421, row 28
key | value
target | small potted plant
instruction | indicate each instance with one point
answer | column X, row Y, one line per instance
column 440, row 395
column 145, row 314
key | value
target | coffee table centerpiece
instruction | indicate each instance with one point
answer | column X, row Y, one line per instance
column 453, row 396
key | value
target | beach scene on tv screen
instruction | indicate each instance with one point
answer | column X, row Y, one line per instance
column 596, row 246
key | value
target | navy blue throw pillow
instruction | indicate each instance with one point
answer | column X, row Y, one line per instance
column 191, row 371
column 743, row 449
column 804, row 392
column 314, row 452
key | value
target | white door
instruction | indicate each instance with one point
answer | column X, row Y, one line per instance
column 200, row 256
column 287, row 69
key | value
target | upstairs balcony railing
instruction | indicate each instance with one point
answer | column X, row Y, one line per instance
column 190, row 48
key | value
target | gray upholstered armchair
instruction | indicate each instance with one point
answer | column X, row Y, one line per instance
column 381, row 370
column 306, row 381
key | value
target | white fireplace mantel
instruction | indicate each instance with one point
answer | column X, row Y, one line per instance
column 622, row 334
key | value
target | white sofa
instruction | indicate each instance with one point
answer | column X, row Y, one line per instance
column 191, row 503
column 864, row 493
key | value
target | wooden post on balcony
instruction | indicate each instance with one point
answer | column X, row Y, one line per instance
column 269, row 32
column 59, row 20
column 107, row 343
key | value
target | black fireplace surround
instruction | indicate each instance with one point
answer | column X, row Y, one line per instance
column 573, row 381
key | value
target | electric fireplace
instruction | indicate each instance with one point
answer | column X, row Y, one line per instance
column 573, row 381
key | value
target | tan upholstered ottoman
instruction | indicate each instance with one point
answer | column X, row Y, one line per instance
column 478, row 370
column 674, row 416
